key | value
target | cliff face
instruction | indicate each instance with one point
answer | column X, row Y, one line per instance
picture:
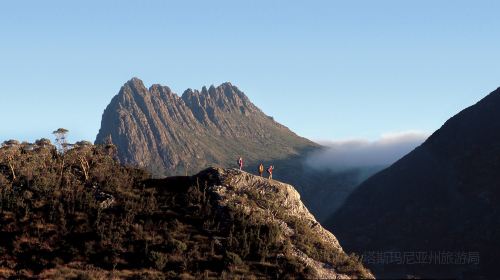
column 442, row 197
column 167, row 134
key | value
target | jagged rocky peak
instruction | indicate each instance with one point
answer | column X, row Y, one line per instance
column 134, row 86
column 225, row 90
column 162, row 90
column 136, row 81
column 225, row 96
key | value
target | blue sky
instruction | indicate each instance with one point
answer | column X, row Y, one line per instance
column 327, row 69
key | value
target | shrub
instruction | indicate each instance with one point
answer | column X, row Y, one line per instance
column 159, row 259
column 231, row 258
column 177, row 246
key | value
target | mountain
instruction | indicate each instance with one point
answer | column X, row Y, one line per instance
column 442, row 197
column 170, row 135
column 82, row 215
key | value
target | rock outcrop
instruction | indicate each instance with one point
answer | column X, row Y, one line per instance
column 278, row 204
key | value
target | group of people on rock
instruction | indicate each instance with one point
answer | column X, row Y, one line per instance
column 270, row 169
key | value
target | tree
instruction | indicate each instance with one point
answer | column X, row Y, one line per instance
column 27, row 146
column 10, row 143
column 62, row 144
column 43, row 142
column 9, row 152
column 83, row 151
column 83, row 143
column 61, row 141
column 110, row 148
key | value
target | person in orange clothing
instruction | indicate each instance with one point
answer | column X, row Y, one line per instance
column 261, row 169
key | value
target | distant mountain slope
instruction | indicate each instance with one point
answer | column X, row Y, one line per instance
column 443, row 196
column 168, row 134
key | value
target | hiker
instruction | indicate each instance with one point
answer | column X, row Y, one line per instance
column 270, row 171
column 240, row 163
column 261, row 169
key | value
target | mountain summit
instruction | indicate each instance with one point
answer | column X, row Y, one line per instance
column 168, row 134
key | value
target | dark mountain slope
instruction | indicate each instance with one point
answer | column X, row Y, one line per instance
column 443, row 196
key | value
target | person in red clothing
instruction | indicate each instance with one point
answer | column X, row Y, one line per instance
column 270, row 171
column 240, row 163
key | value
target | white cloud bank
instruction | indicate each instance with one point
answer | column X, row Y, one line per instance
column 360, row 153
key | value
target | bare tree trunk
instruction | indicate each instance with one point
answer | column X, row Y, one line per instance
column 62, row 171
column 85, row 168
column 12, row 170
